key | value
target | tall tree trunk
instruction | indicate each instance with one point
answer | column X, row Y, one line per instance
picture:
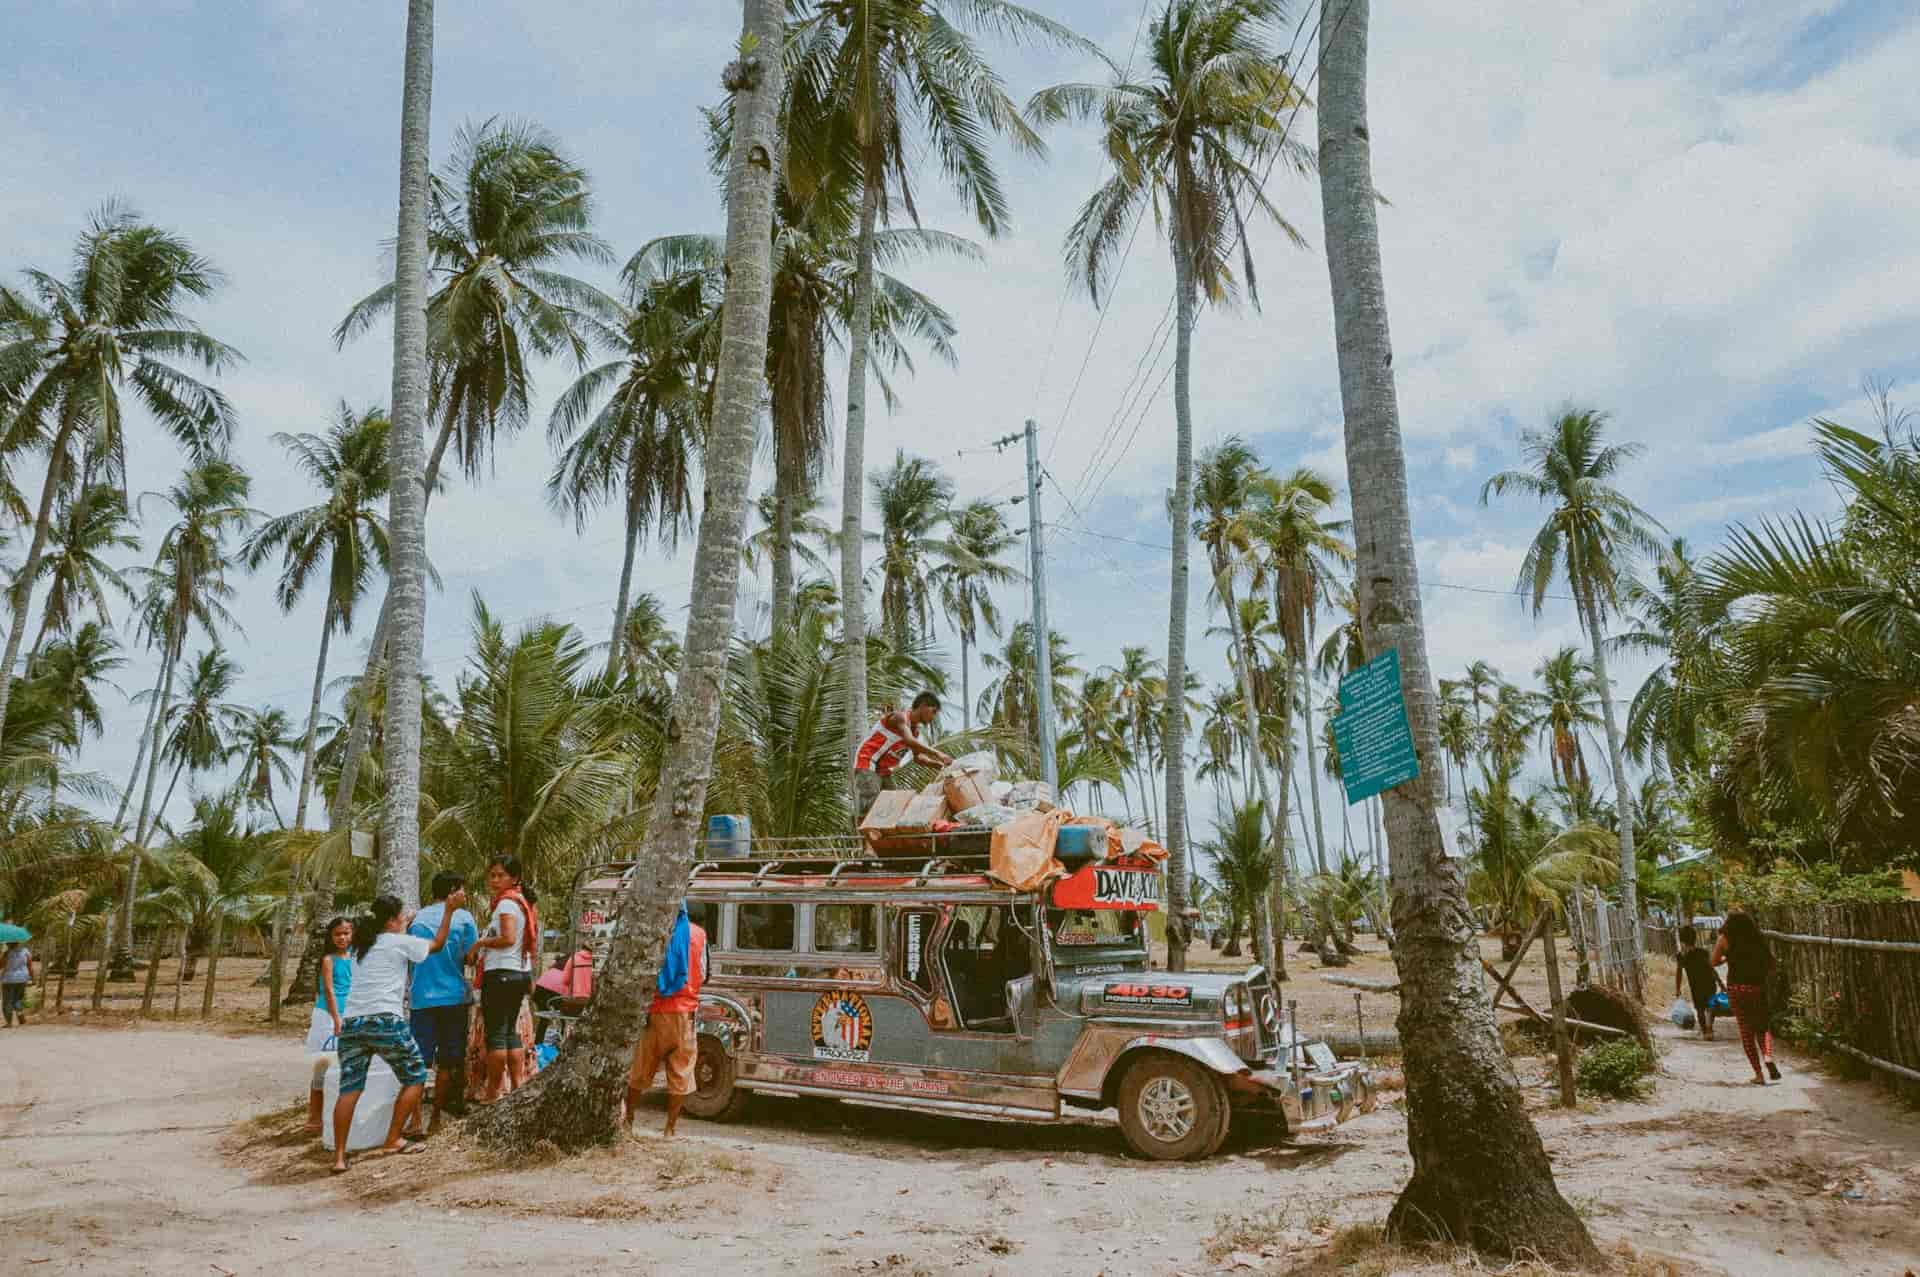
column 22, row 588
column 313, row 721
column 966, row 686
column 785, row 481
column 618, row 646
column 179, row 971
column 153, row 973
column 853, row 477
column 213, row 961
column 140, row 755
column 1174, row 734
column 576, row 1100
column 1273, row 958
column 398, row 872
column 1480, row 1174
column 143, row 827
column 100, row 965
column 1313, row 759
column 1622, row 789
column 167, row 798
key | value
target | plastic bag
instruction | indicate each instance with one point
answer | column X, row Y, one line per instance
column 1032, row 795
column 1719, row 1005
column 1023, row 856
column 981, row 765
column 985, row 816
column 1681, row 1013
column 372, row 1116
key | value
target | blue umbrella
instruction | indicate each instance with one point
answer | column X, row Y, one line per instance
column 10, row 934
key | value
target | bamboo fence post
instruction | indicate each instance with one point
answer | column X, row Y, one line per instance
column 1562, row 1047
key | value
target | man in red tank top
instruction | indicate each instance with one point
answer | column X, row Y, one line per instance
column 891, row 742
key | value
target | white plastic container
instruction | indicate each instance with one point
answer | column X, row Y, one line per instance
column 371, row 1117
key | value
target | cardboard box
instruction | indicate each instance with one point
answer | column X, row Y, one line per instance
column 888, row 811
column 966, row 791
column 924, row 810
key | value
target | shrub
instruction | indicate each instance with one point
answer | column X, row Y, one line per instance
column 1616, row 1069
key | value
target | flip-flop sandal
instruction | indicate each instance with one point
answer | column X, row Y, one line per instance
column 404, row 1149
column 339, row 1170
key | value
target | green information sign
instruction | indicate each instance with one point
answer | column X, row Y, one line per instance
column 1371, row 733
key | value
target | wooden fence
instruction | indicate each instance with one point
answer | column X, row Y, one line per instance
column 1854, row 972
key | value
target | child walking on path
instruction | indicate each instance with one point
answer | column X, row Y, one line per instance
column 1749, row 963
column 1696, row 968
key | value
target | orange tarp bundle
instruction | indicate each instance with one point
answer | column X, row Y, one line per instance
column 1023, row 850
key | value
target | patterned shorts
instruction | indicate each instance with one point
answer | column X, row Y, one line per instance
column 387, row 1036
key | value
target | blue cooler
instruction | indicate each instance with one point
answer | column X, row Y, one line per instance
column 729, row 837
column 1074, row 844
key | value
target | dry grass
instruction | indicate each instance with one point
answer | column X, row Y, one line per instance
column 1264, row 1243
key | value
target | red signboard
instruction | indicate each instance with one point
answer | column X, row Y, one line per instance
column 1111, row 886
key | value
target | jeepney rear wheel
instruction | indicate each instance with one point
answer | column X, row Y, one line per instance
column 715, row 1098
column 1172, row 1109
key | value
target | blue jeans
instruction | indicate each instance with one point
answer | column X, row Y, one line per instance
column 13, row 998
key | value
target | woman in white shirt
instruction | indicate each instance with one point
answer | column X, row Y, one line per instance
column 374, row 1019
column 506, row 956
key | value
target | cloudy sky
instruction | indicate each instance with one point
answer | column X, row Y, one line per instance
column 1702, row 216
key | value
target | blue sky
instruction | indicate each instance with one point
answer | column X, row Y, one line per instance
column 1700, row 215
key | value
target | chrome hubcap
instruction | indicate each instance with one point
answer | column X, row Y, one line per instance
column 1167, row 1109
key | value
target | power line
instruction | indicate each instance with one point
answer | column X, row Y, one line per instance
column 1438, row 585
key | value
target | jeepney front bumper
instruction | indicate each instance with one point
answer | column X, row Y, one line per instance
column 1318, row 1099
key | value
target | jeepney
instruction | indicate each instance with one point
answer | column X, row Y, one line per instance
column 930, row 986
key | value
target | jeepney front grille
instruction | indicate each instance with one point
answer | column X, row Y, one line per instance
column 1266, row 1016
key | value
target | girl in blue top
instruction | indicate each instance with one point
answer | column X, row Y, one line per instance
column 336, row 977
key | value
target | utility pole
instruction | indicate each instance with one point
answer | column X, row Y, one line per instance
column 1037, row 574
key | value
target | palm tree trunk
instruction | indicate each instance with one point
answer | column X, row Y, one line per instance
column 1480, row 1174
column 179, row 971
column 1272, row 958
column 575, row 1101
column 1622, row 790
column 140, row 755
column 168, row 797
column 313, row 722
column 398, row 872
column 213, row 954
column 153, row 973
column 1175, row 732
column 966, row 687
column 40, row 637
column 617, row 647
column 1313, row 759
column 853, row 478
column 100, row 965
column 22, row 589
column 784, row 483
column 142, row 828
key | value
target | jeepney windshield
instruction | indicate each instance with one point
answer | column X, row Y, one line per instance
column 1094, row 928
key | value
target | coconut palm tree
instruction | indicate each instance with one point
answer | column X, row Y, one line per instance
column 1306, row 556
column 198, row 731
column 979, row 533
column 651, row 650
column 814, row 269
column 574, row 1102
column 1522, row 864
column 1011, row 699
column 68, row 669
column 261, row 742
column 69, row 349
column 914, row 499
column 1591, row 535
column 1459, row 736
column 343, row 537
column 629, row 429
column 1228, row 514
column 1184, row 138
column 92, row 523
column 1481, row 1175
column 1669, row 718
column 1568, row 709
column 488, row 237
column 873, row 82
column 187, row 586
column 1243, row 866
column 221, row 872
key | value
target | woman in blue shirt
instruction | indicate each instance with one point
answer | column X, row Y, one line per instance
column 336, row 977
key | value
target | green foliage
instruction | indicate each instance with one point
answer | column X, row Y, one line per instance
column 1788, row 883
column 1617, row 1069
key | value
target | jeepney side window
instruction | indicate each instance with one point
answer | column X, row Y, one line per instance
column 915, row 963
column 705, row 914
column 846, row 929
column 764, row 927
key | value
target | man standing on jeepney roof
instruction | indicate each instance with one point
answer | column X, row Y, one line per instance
column 892, row 740
column 668, row 1040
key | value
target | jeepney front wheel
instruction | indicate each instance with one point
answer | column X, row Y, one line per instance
column 715, row 1098
column 1172, row 1109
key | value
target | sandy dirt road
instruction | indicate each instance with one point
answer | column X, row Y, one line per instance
column 145, row 1150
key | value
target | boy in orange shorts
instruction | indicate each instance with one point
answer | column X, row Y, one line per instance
column 669, row 1038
